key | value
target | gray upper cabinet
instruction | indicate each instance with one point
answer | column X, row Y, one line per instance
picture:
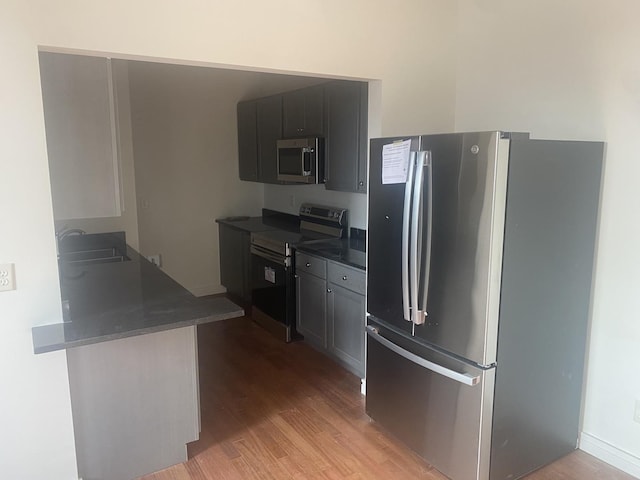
column 248, row 141
column 336, row 111
column 346, row 136
column 269, row 131
column 303, row 112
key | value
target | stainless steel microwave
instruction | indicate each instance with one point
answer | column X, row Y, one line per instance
column 301, row 160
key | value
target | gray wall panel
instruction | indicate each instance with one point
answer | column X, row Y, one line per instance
column 550, row 233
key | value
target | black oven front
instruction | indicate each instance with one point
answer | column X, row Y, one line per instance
column 273, row 294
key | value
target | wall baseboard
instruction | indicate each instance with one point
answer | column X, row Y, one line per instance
column 612, row 455
column 211, row 289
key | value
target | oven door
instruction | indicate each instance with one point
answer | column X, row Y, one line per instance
column 272, row 292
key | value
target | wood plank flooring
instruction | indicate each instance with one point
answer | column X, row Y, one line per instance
column 277, row 411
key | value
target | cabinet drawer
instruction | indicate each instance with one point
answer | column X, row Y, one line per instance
column 347, row 277
column 310, row 264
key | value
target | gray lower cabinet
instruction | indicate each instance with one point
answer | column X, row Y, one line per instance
column 331, row 309
column 311, row 292
column 235, row 258
column 345, row 322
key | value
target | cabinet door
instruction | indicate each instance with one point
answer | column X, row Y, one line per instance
column 78, row 95
column 363, row 138
column 346, row 320
column 303, row 112
column 234, row 248
column 345, row 136
column 312, row 309
column 269, row 125
column 247, row 141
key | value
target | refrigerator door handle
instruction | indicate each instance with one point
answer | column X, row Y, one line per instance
column 415, row 249
column 427, row 264
column 406, row 218
column 463, row 378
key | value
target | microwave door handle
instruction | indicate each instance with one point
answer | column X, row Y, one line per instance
column 406, row 218
column 417, row 316
column 306, row 161
column 428, row 163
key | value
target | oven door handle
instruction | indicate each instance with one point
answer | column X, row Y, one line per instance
column 271, row 256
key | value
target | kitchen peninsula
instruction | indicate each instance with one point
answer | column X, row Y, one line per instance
column 130, row 335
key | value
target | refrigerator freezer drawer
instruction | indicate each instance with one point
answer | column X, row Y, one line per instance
column 442, row 413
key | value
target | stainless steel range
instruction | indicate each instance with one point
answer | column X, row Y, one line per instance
column 273, row 295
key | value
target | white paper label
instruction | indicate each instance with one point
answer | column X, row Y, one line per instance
column 395, row 162
column 269, row 274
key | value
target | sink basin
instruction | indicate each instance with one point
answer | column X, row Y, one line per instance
column 91, row 257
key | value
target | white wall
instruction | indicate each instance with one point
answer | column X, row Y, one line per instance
column 405, row 44
column 571, row 70
column 36, row 433
column 186, row 160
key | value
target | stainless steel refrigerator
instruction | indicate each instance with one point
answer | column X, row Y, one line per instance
column 479, row 274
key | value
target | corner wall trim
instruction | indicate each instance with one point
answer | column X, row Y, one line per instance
column 610, row 454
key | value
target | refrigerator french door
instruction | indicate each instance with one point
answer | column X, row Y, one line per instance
column 479, row 268
column 443, row 238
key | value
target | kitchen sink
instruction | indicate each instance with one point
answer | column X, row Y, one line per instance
column 91, row 257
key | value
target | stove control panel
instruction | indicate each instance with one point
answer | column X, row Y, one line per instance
column 334, row 215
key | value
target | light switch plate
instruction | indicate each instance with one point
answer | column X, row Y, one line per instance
column 7, row 277
column 636, row 413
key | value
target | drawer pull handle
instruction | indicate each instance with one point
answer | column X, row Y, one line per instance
column 308, row 265
column 328, row 290
column 344, row 277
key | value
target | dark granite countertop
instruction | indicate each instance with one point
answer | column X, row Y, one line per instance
column 109, row 301
column 346, row 251
column 270, row 220
column 246, row 224
column 339, row 250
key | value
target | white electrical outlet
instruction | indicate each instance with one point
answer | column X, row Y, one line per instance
column 155, row 259
column 636, row 413
column 7, row 277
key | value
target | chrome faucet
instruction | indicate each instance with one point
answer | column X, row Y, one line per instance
column 65, row 232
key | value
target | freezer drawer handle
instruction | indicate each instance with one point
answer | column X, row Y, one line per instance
column 464, row 378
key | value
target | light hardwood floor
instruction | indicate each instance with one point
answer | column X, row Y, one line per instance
column 276, row 411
